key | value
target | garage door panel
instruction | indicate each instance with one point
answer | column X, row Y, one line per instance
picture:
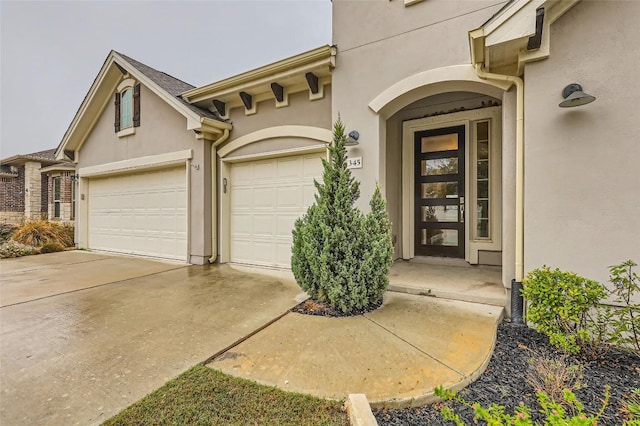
column 312, row 167
column 264, row 252
column 264, row 170
column 283, row 254
column 267, row 196
column 263, row 197
column 290, row 195
column 264, row 225
column 290, row 167
column 242, row 225
column 285, row 224
column 144, row 213
column 242, row 198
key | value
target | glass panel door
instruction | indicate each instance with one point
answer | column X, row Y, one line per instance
column 439, row 192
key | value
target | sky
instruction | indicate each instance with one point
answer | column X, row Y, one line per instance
column 51, row 51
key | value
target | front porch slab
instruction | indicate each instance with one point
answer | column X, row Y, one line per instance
column 449, row 279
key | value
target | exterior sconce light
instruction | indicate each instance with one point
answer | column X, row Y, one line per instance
column 574, row 96
column 352, row 139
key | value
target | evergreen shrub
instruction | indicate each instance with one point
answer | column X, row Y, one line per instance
column 341, row 256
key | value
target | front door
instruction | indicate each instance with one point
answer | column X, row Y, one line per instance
column 439, row 192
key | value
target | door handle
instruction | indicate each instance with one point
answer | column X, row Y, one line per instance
column 461, row 209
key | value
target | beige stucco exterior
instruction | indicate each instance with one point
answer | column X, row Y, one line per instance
column 391, row 43
column 162, row 130
column 562, row 184
column 582, row 192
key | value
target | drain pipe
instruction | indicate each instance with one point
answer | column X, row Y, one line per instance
column 214, row 194
column 516, row 284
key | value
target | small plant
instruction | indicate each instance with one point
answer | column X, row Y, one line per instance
column 51, row 248
column 626, row 320
column 37, row 233
column 11, row 248
column 554, row 413
column 6, row 230
column 553, row 376
column 341, row 256
column 631, row 409
column 563, row 305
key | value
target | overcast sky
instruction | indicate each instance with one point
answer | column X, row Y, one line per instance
column 50, row 52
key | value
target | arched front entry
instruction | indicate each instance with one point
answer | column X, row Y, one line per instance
column 443, row 164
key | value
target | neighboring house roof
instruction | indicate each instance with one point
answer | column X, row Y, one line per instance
column 46, row 157
column 163, row 85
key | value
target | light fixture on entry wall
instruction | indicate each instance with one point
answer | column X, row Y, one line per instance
column 352, row 139
column 574, row 96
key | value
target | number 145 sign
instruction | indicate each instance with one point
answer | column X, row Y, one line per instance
column 354, row 163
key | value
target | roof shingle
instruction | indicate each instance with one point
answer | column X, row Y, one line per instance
column 171, row 85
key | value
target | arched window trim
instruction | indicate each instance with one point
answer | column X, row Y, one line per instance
column 127, row 107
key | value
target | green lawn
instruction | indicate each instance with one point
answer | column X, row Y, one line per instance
column 202, row 396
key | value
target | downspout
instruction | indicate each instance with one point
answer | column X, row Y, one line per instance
column 519, row 260
column 214, row 194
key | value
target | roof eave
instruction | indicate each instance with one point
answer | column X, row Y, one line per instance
column 322, row 55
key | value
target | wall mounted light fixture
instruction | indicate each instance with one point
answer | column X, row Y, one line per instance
column 574, row 96
column 352, row 139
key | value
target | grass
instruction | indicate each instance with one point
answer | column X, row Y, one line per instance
column 202, row 396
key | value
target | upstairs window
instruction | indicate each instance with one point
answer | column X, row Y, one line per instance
column 127, row 106
column 126, row 116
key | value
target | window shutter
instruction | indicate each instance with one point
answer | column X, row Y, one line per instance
column 136, row 105
column 116, row 124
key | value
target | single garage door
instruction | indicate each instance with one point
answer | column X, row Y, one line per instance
column 142, row 213
column 267, row 196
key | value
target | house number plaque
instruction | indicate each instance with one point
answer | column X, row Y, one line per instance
column 354, row 163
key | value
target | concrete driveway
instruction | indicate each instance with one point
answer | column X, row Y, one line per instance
column 85, row 335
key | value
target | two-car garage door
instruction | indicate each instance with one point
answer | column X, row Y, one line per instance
column 142, row 213
column 267, row 196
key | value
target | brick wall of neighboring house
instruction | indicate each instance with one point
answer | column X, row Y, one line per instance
column 12, row 192
column 12, row 197
column 66, row 182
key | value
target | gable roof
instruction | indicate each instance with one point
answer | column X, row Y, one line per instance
column 162, row 84
column 171, row 85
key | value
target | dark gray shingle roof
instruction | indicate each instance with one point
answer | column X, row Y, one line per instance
column 46, row 157
column 171, row 85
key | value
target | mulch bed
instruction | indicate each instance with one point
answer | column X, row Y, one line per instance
column 313, row 307
column 504, row 382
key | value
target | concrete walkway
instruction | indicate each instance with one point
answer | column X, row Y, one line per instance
column 395, row 355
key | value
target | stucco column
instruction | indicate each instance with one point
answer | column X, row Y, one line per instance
column 200, row 204
column 32, row 190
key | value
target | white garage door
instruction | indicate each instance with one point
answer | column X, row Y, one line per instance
column 142, row 213
column 267, row 196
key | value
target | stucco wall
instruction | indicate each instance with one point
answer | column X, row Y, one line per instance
column 388, row 43
column 582, row 191
column 301, row 111
column 162, row 130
